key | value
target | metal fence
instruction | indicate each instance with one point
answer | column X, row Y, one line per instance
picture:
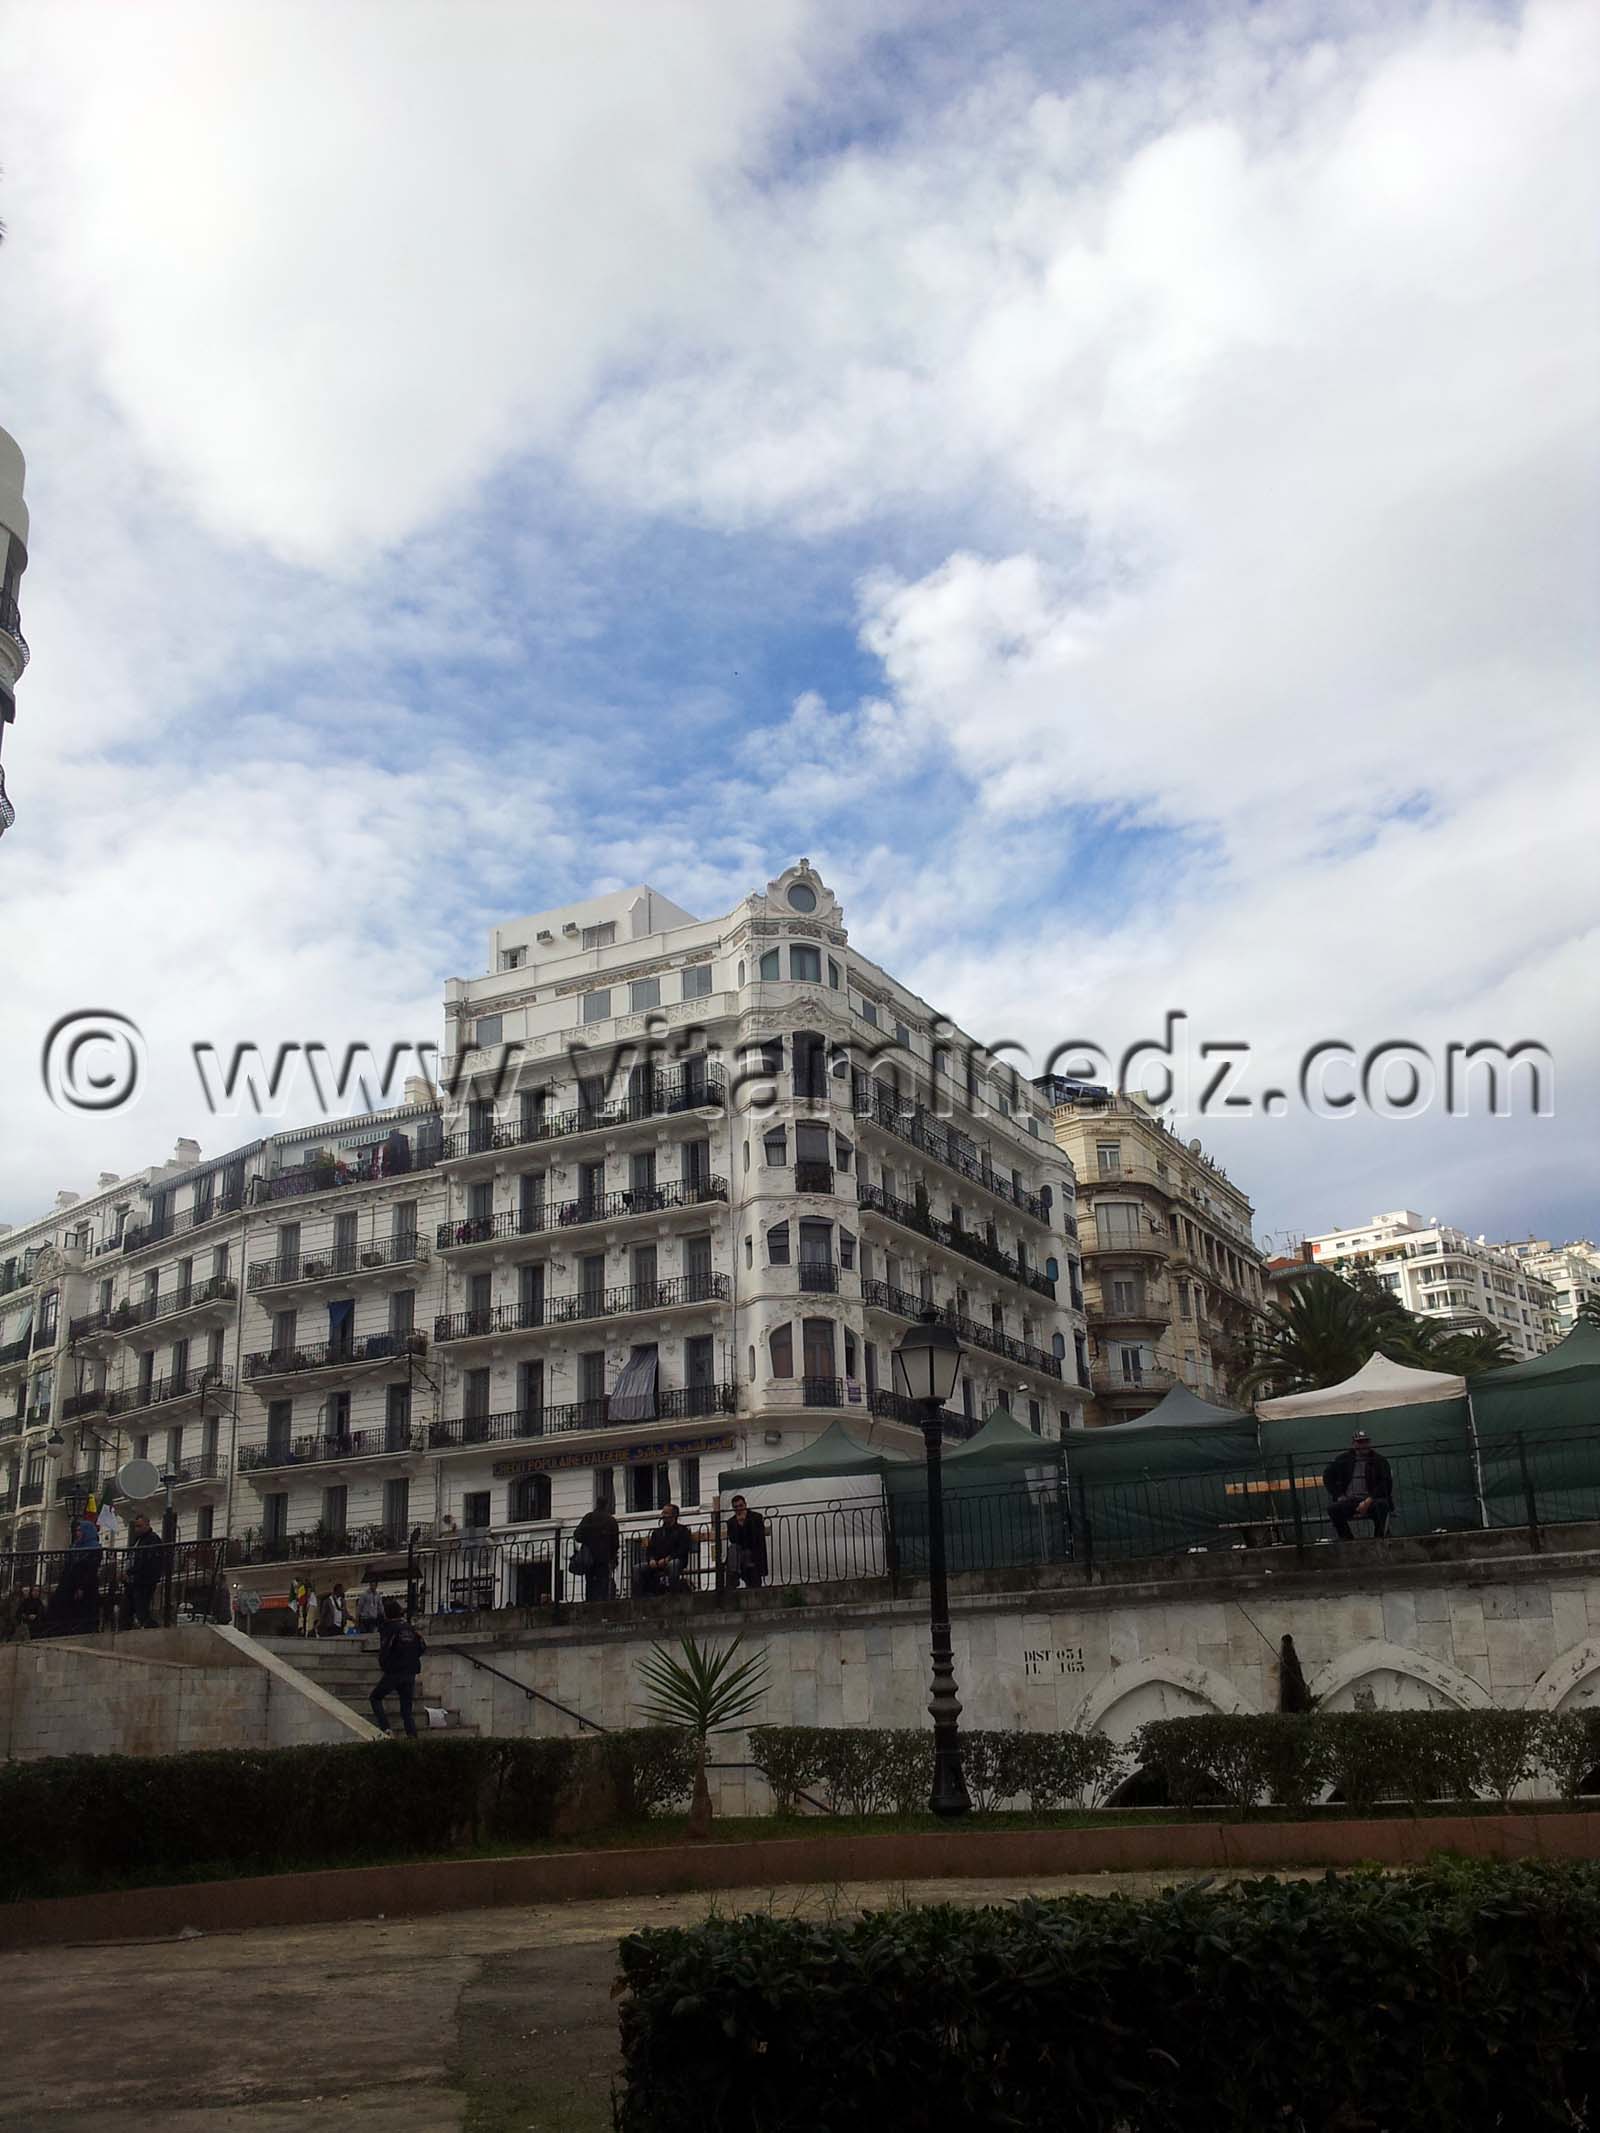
column 74, row 1592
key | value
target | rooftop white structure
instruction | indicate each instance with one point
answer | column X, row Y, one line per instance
column 1572, row 1271
column 1440, row 1272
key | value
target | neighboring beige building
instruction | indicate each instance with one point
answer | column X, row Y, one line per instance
column 1442, row 1273
column 1172, row 1275
column 1572, row 1271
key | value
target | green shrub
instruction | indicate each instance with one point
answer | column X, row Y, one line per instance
column 653, row 1768
column 1569, row 1748
column 867, row 1770
column 1198, row 2010
column 82, row 1821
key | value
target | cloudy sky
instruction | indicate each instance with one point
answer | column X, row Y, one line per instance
column 1114, row 485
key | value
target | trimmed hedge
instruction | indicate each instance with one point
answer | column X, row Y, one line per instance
column 868, row 1770
column 1457, row 1997
column 92, row 1821
column 1369, row 1756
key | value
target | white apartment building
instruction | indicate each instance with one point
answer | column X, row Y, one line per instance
column 1440, row 1272
column 1572, row 1271
column 686, row 1184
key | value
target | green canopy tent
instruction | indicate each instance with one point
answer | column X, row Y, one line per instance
column 1159, row 1484
column 843, row 1537
column 993, row 1517
column 1417, row 1419
column 833, row 1456
column 1552, row 1403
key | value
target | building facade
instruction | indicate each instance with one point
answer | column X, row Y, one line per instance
column 1172, row 1276
column 1571, row 1270
column 13, row 562
column 681, row 1188
column 1441, row 1273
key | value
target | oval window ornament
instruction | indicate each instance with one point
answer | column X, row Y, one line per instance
column 802, row 897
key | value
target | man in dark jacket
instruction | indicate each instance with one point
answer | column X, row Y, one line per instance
column 1359, row 1485
column 400, row 1650
column 666, row 1555
column 598, row 1533
column 146, row 1562
column 747, row 1545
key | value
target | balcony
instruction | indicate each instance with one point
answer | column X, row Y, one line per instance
column 901, row 1303
column 139, row 1235
column 31, row 1492
column 328, row 1451
column 69, row 1486
column 1112, row 1382
column 339, row 1263
column 196, row 1296
column 160, row 1392
column 44, row 1336
column 10, row 1425
column 204, row 1470
column 88, row 1325
column 332, row 1355
column 1147, row 1242
column 667, row 1096
column 818, row 1277
column 13, row 1284
column 91, row 1401
column 915, row 1215
column 1143, row 1312
column 559, row 1216
column 813, row 1177
column 895, row 1407
column 822, row 1392
column 646, row 1296
column 317, row 1545
column 518, row 1424
column 923, row 1131
column 16, row 1351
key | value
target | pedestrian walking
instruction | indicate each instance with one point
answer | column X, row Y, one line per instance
column 400, row 1650
column 146, row 1560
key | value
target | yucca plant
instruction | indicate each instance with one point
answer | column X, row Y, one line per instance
column 701, row 1691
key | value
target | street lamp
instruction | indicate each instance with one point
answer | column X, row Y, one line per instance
column 927, row 1363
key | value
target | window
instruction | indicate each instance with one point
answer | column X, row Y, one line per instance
column 488, row 1030
column 530, row 1498
column 649, row 1487
column 397, row 1506
column 596, row 1006
column 805, row 964
column 602, row 936
column 697, row 981
column 402, row 1312
column 275, row 1517
column 1118, row 1222
column 205, row 1522
column 513, row 958
column 688, row 1484
column 396, row 1417
column 778, row 1244
column 644, row 993
column 767, row 967
column 902, row 1036
column 1183, row 1299
column 1035, row 1418
column 1108, row 1157
column 775, row 1148
column 780, row 1345
column 1124, row 1297
column 847, row 1250
column 834, row 978
column 475, row 1511
column 802, row 897
column 592, row 1375
column 869, row 1012
column 336, row 1510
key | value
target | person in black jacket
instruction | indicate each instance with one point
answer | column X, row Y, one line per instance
column 747, row 1545
column 146, row 1562
column 1359, row 1485
column 598, row 1533
column 400, row 1650
column 666, row 1555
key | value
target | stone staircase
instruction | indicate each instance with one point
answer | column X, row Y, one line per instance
column 347, row 1667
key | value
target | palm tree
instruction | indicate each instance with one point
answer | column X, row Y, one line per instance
column 1589, row 1311
column 1466, row 1349
column 702, row 1693
column 1324, row 1330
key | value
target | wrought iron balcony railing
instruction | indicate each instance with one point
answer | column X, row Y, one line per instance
column 551, row 1215
column 586, row 1304
column 928, row 1134
column 178, row 1385
column 882, row 1296
column 333, row 1262
column 686, row 1403
column 332, row 1354
column 914, row 1215
column 324, row 1450
column 665, row 1097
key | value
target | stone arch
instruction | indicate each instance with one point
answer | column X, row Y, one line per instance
column 1159, row 1687
column 1427, row 1683
column 1570, row 1682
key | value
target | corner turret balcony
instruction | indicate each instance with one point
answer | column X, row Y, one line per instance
column 468, row 1232
column 901, row 1303
column 341, row 1263
column 312, row 1357
column 895, row 1407
column 644, row 1298
column 931, row 1136
column 1117, row 1386
column 670, row 1095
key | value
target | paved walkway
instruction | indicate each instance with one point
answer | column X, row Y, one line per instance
column 481, row 2022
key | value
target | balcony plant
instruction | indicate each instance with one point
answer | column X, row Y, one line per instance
column 701, row 1691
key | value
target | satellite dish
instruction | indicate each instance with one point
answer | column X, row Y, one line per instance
column 138, row 1479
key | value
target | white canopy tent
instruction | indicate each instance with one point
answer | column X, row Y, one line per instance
column 1379, row 1383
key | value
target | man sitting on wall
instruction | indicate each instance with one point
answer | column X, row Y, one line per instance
column 1359, row 1485
column 666, row 1555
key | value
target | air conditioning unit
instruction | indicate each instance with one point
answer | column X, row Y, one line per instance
column 569, row 927
column 545, row 934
